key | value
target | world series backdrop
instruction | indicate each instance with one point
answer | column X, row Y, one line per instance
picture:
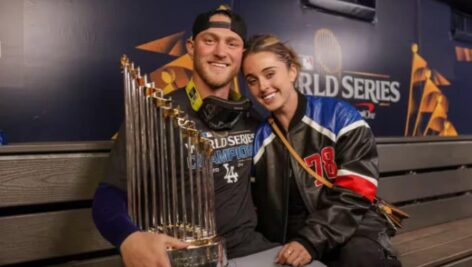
column 60, row 76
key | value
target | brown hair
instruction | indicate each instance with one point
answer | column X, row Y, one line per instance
column 270, row 43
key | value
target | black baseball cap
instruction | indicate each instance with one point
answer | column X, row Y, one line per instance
column 237, row 25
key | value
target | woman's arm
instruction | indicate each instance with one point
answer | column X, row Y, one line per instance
column 340, row 210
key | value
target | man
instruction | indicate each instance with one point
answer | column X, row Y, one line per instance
column 216, row 49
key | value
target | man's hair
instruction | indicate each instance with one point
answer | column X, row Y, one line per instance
column 237, row 25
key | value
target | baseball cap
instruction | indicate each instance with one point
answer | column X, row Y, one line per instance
column 202, row 22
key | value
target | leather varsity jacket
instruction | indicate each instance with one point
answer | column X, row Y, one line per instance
column 334, row 140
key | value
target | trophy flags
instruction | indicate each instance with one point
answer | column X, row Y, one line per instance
column 432, row 99
column 430, row 94
column 448, row 130
column 418, row 66
column 438, row 117
column 171, row 45
column 173, row 75
column 439, row 79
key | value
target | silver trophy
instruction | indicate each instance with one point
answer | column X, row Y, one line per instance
column 169, row 170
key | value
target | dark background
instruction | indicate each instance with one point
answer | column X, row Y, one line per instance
column 60, row 76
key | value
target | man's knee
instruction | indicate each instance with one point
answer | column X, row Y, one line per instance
column 361, row 251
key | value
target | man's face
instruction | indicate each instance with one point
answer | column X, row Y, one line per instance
column 217, row 54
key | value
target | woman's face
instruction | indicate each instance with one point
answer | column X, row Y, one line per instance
column 269, row 79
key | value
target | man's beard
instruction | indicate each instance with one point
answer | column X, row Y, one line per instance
column 209, row 78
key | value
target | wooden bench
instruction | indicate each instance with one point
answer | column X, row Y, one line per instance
column 46, row 192
column 45, row 200
column 431, row 179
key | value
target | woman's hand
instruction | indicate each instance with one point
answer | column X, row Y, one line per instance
column 294, row 254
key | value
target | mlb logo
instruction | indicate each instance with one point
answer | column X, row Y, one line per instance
column 207, row 135
column 308, row 62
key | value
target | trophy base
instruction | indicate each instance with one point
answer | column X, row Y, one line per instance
column 208, row 255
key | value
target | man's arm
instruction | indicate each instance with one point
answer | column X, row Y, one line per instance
column 137, row 248
column 110, row 214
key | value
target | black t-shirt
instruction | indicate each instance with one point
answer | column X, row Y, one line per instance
column 232, row 159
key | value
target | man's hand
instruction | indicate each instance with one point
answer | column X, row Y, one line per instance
column 143, row 249
column 293, row 254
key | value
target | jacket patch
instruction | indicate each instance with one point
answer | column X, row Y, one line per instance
column 323, row 163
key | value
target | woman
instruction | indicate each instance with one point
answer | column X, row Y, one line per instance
column 338, row 226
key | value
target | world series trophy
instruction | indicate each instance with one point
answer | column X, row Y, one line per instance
column 169, row 170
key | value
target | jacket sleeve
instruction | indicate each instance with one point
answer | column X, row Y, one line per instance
column 110, row 214
column 340, row 210
column 109, row 208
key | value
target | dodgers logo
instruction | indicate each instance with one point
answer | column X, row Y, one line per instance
column 231, row 176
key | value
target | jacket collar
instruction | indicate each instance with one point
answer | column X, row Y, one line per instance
column 299, row 113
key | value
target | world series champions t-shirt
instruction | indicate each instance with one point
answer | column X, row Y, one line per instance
column 232, row 160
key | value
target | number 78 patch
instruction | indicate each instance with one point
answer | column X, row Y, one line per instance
column 323, row 163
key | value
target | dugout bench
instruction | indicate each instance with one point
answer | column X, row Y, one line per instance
column 46, row 191
column 431, row 179
column 45, row 204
